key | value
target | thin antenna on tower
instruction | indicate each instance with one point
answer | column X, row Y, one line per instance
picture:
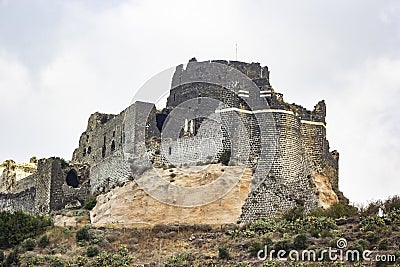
column 236, row 51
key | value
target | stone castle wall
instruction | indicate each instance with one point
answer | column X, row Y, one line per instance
column 47, row 188
column 23, row 200
column 302, row 149
column 116, row 148
column 101, row 145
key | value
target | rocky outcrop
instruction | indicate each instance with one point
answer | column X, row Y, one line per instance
column 326, row 194
column 129, row 205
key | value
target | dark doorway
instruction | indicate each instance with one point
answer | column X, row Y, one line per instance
column 72, row 179
column 160, row 118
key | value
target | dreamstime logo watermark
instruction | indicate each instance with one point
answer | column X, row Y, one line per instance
column 340, row 253
column 205, row 93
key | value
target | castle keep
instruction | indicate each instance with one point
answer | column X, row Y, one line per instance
column 281, row 147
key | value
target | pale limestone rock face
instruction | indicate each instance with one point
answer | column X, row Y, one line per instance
column 129, row 205
column 326, row 194
column 11, row 173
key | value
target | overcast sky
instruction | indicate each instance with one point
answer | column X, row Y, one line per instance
column 60, row 61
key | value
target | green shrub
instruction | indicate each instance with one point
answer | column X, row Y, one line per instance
column 372, row 237
column 57, row 262
column 391, row 204
column 372, row 223
column 283, row 244
column 300, row 241
column 255, row 247
column 318, row 223
column 263, row 226
column 29, row 244
column 79, row 261
column 294, row 214
column 247, row 233
column 394, row 216
column 320, row 212
column 12, row 258
column 82, row 234
column 357, row 247
column 44, row 241
column 18, row 226
column 181, row 259
column 92, row 251
column 119, row 259
column 90, row 203
column 1, row 256
column 384, row 244
column 326, row 233
column 364, row 243
column 340, row 210
column 314, row 233
column 336, row 211
column 267, row 241
column 223, row 253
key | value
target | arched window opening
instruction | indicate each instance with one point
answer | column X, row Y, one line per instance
column 112, row 145
column 72, row 179
column 103, row 151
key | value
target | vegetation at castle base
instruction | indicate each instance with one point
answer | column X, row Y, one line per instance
column 82, row 234
column 180, row 259
column 375, row 227
column 44, row 241
column 211, row 245
column 17, row 226
column 90, row 203
column 121, row 258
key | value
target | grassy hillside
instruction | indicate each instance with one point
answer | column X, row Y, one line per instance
column 210, row 245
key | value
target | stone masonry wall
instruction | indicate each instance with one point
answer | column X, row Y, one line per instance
column 101, row 145
column 43, row 186
column 47, row 189
column 68, row 195
column 288, row 183
column 109, row 173
column 302, row 148
column 23, row 200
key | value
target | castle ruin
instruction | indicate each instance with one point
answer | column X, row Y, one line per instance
column 300, row 168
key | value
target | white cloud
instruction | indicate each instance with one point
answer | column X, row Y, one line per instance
column 15, row 84
column 364, row 127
